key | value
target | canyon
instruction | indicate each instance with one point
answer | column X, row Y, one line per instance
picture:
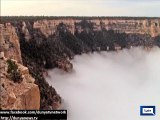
column 37, row 44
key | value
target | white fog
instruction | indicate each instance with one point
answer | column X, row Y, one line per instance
column 110, row 85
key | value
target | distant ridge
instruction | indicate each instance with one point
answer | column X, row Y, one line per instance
column 26, row 18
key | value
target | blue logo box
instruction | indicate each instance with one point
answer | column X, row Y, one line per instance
column 147, row 110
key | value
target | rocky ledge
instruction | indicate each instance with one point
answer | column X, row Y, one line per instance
column 16, row 92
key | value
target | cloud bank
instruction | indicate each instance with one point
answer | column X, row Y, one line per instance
column 110, row 85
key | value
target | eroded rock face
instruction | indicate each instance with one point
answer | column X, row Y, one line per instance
column 19, row 96
column 9, row 42
column 49, row 27
column 141, row 26
column 64, row 64
column 22, row 95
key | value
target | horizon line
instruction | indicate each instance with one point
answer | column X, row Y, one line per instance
column 74, row 16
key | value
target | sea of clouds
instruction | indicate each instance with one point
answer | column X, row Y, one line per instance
column 110, row 85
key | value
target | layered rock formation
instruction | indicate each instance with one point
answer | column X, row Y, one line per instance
column 140, row 26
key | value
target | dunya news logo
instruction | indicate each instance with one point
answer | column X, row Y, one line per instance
column 147, row 110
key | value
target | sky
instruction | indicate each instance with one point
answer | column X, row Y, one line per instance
column 149, row 8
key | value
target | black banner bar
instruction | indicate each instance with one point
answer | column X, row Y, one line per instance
column 33, row 114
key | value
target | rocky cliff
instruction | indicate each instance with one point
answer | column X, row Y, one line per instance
column 139, row 26
column 51, row 42
column 24, row 95
column 9, row 42
column 17, row 87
